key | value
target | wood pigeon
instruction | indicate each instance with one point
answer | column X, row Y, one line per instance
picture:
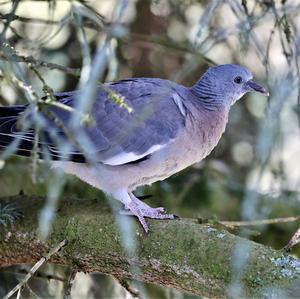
column 169, row 128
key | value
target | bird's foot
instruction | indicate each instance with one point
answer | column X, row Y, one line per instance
column 142, row 210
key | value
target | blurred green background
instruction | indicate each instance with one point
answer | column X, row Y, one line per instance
column 254, row 173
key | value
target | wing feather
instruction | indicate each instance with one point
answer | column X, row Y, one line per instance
column 118, row 137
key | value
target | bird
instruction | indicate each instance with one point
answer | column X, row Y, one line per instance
column 169, row 127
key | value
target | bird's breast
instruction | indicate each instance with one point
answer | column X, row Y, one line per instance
column 191, row 145
column 200, row 137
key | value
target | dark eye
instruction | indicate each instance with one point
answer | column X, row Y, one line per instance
column 238, row 80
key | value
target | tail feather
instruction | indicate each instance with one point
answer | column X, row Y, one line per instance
column 11, row 111
column 8, row 124
column 9, row 133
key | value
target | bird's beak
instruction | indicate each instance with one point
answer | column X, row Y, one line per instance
column 256, row 87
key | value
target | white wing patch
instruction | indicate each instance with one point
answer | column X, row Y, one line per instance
column 178, row 101
column 124, row 157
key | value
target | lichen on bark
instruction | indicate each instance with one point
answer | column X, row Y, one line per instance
column 183, row 254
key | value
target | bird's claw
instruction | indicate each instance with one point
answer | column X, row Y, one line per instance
column 142, row 210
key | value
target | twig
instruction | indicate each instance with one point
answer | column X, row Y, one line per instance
column 129, row 288
column 268, row 47
column 244, row 4
column 44, row 259
column 32, row 293
column 145, row 40
column 29, row 20
column 36, row 62
column 27, row 88
column 19, row 294
column 260, row 222
column 70, row 282
column 34, row 153
column 9, row 19
column 42, row 276
column 293, row 241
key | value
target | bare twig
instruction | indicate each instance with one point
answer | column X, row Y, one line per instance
column 37, row 62
column 260, row 222
column 70, row 282
column 156, row 41
column 32, row 293
column 9, row 19
column 129, row 288
column 294, row 240
column 28, row 89
column 19, row 293
column 44, row 259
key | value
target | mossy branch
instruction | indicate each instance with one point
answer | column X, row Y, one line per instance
column 183, row 254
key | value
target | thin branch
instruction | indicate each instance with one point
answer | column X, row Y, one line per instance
column 70, row 282
column 36, row 62
column 30, row 20
column 9, row 19
column 156, row 41
column 294, row 240
column 44, row 259
column 28, row 89
column 260, row 222
column 129, row 288
column 32, row 293
column 19, row 294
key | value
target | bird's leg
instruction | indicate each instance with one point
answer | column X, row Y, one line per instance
column 131, row 207
column 147, row 211
column 134, row 206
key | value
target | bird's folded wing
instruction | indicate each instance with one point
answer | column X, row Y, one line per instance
column 116, row 136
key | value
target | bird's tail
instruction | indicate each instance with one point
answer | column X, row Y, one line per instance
column 20, row 142
column 9, row 134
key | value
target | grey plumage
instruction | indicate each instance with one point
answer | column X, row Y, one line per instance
column 116, row 130
column 170, row 128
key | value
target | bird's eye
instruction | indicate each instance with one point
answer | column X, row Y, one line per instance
column 238, row 80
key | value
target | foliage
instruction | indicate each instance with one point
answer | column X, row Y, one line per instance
column 9, row 214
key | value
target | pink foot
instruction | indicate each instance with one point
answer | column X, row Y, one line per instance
column 141, row 210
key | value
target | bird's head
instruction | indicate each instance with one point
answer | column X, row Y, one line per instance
column 225, row 84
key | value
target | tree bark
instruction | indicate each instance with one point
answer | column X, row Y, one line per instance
column 183, row 254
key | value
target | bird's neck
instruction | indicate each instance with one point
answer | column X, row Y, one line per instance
column 207, row 97
column 205, row 128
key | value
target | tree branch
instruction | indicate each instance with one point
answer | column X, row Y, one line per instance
column 183, row 254
column 36, row 62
